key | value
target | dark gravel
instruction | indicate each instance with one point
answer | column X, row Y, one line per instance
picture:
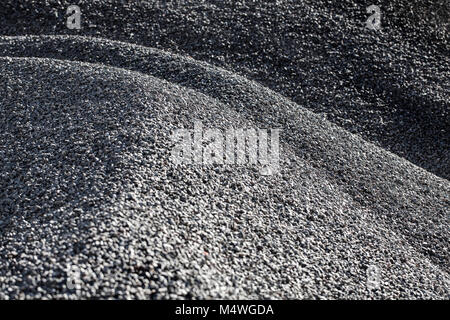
column 86, row 180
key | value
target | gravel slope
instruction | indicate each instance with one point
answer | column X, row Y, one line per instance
column 86, row 178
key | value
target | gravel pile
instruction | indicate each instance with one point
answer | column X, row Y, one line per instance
column 92, row 207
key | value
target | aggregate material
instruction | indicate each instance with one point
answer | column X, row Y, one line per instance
column 87, row 184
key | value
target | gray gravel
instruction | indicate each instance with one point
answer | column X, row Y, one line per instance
column 86, row 181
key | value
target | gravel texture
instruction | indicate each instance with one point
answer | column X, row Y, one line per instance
column 86, row 181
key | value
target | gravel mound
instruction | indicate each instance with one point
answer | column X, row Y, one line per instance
column 87, row 182
column 92, row 207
